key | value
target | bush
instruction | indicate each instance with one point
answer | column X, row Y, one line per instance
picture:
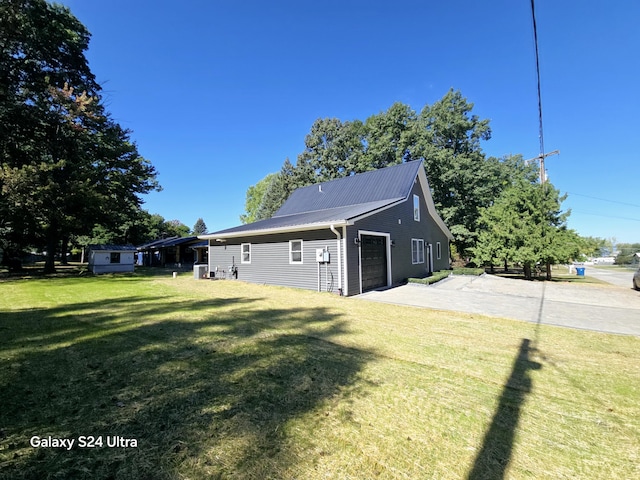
column 442, row 274
column 468, row 271
column 435, row 277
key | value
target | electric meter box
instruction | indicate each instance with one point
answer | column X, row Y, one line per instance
column 322, row 255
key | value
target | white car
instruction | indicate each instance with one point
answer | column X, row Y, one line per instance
column 636, row 280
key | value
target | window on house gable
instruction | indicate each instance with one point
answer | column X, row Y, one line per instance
column 246, row 253
column 417, row 251
column 295, row 251
column 438, row 250
column 416, row 208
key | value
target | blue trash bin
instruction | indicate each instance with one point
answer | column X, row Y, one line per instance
column 580, row 271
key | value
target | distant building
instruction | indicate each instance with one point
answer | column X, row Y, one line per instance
column 175, row 252
column 604, row 260
column 111, row 258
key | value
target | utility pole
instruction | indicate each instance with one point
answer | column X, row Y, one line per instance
column 543, row 173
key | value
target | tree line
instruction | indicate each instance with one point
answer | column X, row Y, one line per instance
column 496, row 209
column 69, row 173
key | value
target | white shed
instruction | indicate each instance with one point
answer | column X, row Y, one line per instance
column 111, row 258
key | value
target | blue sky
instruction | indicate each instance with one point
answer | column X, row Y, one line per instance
column 218, row 93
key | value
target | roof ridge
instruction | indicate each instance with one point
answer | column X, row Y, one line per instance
column 390, row 200
column 367, row 172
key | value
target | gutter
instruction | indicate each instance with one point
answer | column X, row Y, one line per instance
column 274, row 230
column 338, row 237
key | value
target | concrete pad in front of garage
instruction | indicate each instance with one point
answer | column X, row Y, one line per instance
column 608, row 309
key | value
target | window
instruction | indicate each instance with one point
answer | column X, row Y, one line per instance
column 416, row 208
column 438, row 250
column 417, row 250
column 115, row 257
column 246, row 253
column 295, row 251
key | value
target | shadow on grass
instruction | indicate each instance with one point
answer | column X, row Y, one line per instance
column 494, row 457
column 205, row 387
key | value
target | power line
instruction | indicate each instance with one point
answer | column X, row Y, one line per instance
column 604, row 199
column 606, row 216
column 541, row 133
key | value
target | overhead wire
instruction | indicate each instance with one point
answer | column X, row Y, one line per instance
column 535, row 40
column 604, row 199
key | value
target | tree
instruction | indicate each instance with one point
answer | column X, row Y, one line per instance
column 255, row 195
column 463, row 180
column 526, row 225
column 175, row 228
column 64, row 163
column 199, row 228
column 446, row 135
column 389, row 137
column 281, row 186
column 626, row 252
column 333, row 149
column 593, row 246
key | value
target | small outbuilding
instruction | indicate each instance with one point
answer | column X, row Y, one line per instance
column 111, row 258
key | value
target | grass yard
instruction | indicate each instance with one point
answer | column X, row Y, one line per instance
column 231, row 380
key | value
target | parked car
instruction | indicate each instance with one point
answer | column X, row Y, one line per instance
column 636, row 280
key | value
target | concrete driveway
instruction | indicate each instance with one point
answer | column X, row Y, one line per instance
column 621, row 277
column 609, row 309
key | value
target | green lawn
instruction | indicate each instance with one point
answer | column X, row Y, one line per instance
column 230, row 380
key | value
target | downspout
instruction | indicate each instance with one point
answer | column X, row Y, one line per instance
column 339, row 237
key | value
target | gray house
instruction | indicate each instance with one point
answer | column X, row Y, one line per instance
column 350, row 235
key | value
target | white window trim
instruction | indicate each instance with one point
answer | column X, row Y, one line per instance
column 291, row 260
column 419, row 250
column 416, row 208
column 438, row 250
column 242, row 252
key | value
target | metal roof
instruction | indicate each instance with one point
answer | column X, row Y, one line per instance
column 335, row 202
column 113, row 248
column 318, row 218
column 167, row 242
column 377, row 185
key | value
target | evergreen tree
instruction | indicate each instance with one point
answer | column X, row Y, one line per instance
column 199, row 228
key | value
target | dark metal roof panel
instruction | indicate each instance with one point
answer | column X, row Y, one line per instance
column 374, row 186
column 167, row 242
column 156, row 243
column 113, row 248
column 320, row 217
column 179, row 241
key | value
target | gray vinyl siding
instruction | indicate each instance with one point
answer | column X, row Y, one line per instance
column 270, row 260
column 401, row 233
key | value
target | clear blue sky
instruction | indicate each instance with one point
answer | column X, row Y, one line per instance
column 219, row 93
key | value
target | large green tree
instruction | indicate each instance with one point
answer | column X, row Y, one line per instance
column 255, row 195
column 281, row 186
column 389, row 137
column 65, row 165
column 446, row 135
column 333, row 149
column 526, row 225
column 462, row 179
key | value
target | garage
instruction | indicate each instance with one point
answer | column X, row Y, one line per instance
column 373, row 255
